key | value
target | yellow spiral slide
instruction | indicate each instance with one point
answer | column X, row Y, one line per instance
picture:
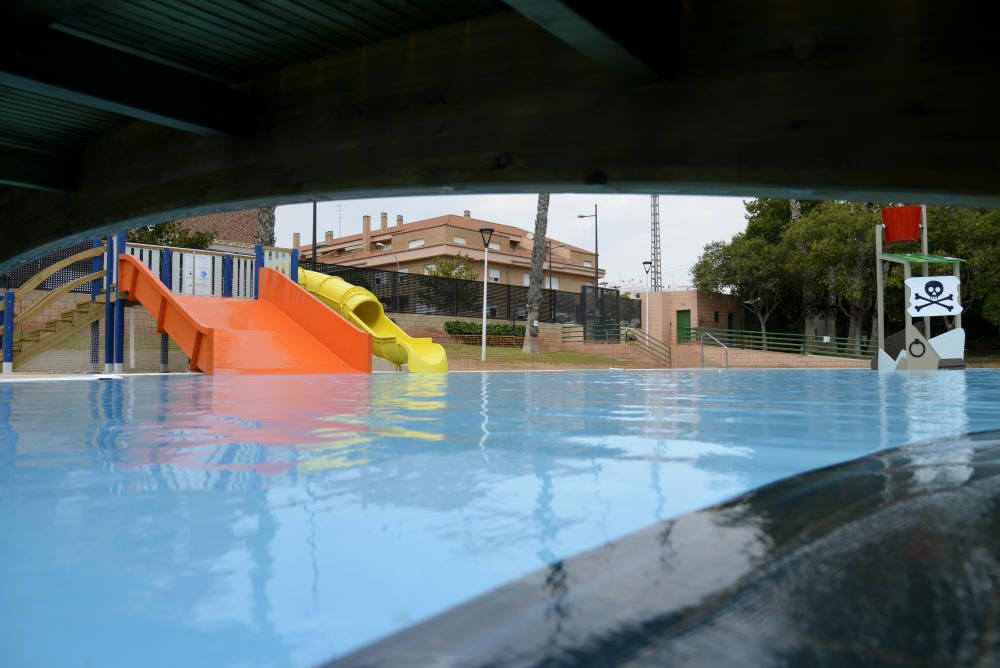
column 363, row 309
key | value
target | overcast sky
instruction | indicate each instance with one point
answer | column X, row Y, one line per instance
column 686, row 224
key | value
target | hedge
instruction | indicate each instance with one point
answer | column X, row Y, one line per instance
column 466, row 327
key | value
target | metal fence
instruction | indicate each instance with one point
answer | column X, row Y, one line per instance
column 783, row 342
column 435, row 295
column 20, row 275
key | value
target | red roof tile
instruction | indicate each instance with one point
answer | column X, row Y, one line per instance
column 233, row 227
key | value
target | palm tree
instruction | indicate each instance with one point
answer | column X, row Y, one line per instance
column 265, row 225
column 535, row 282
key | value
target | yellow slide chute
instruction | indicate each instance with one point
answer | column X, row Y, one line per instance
column 363, row 309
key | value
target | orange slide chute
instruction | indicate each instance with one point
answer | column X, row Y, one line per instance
column 284, row 330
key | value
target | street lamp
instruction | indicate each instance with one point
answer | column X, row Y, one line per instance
column 487, row 234
column 647, row 265
column 597, row 296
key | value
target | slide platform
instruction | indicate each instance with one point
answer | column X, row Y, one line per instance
column 284, row 331
column 361, row 307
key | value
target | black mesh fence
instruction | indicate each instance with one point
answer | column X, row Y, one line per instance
column 23, row 273
column 434, row 295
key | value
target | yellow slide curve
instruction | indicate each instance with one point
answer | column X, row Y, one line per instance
column 363, row 309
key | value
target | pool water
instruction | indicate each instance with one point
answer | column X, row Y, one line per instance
column 240, row 521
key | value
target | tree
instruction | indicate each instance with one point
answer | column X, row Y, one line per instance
column 750, row 269
column 453, row 267
column 265, row 225
column 451, row 295
column 170, row 234
column 537, row 275
column 835, row 256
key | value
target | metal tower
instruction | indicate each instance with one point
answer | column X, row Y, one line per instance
column 656, row 273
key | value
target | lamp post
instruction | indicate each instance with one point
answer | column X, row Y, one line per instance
column 487, row 234
column 647, row 265
column 597, row 295
column 381, row 246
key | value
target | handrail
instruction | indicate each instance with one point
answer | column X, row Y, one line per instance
column 40, row 277
column 783, row 342
column 650, row 343
column 725, row 349
column 55, row 294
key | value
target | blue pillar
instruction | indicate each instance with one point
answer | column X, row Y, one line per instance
column 295, row 266
column 8, row 331
column 227, row 275
column 119, row 310
column 95, row 327
column 109, row 308
column 166, row 277
column 258, row 264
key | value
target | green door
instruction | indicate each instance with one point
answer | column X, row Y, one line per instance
column 683, row 326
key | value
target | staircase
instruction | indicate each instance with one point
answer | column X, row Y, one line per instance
column 31, row 344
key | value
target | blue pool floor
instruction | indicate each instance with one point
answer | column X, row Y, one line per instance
column 193, row 520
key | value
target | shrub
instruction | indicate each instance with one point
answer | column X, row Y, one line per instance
column 466, row 327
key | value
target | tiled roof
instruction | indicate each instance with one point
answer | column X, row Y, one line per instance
column 231, row 227
column 451, row 220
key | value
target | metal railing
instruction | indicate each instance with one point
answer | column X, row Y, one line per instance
column 651, row 345
column 725, row 348
column 781, row 342
column 402, row 292
column 615, row 333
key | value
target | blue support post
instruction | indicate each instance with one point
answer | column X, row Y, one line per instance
column 258, row 264
column 294, row 275
column 95, row 327
column 119, row 310
column 227, row 275
column 109, row 308
column 8, row 331
column 166, row 277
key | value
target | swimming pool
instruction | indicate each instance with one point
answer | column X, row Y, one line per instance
column 196, row 520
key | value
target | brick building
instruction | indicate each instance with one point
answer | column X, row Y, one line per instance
column 413, row 248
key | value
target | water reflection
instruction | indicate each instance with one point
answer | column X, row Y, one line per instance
column 854, row 565
column 286, row 520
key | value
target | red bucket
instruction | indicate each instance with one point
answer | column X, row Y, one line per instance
column 902, row 223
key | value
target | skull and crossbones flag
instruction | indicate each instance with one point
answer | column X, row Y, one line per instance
column 933, row 296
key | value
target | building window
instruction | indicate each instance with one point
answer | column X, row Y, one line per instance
column 527, row 280
column 494, row 245
column 428, row 268
column 459, row 240
column 416, row 243
column 494, row 275
column 716, row 317
column 555, row 282
column 588, row 264
column 404, row 270
column 514, row 245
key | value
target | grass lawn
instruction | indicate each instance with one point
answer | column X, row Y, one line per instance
column 500, row 356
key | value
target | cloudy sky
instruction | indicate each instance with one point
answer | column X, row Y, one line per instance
column 686, row 224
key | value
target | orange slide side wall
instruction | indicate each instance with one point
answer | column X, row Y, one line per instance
column 284, row 315
column 351, row 344
column 142, row 285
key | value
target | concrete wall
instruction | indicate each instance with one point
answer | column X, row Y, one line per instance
column 663, row 308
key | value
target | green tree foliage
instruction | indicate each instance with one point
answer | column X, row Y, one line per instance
column 453, row 267
column 170, row 234
column 749, row 268
column 825, row 258
column 831, row 249
column 452, row 295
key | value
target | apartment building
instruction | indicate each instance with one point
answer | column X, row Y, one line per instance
column 414, row 248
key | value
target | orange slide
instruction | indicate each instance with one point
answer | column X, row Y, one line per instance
column 285, row 330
